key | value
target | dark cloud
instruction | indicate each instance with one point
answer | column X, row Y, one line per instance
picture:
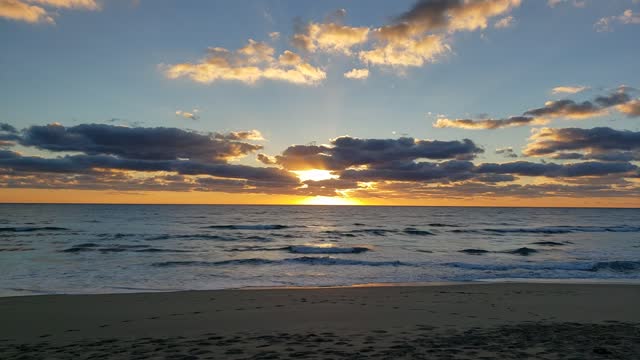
column 105, row 157
column 109, row 151
column 489, row 191
column 601, row 143
column 135, row 143
column 431, row 14
column 455, row 171
column 8, row 134
column 89, row 163
column 566, row 108
column 507, row 152
column 589, row 168
column 8, row 128
column 345, row 152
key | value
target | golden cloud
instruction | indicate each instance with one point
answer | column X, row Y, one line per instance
column 249, row 64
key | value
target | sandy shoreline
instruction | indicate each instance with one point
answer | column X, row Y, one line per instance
column 507, row 320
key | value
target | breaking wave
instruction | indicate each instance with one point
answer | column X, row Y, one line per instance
column 620, row 266
column 305, row 260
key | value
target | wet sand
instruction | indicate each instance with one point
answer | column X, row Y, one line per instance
column 471, row 321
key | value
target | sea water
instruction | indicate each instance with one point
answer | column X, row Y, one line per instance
column 46, row 249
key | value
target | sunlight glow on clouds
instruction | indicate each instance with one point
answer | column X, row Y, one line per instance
column 249, row 64
column 35, row 11
column 416, row 37
column 628, row 17
column 567, row 109
column 193, row 114
column 568, row 89
column 346, row 170
column 358, row 74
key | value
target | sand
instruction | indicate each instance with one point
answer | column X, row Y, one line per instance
column 471, row 321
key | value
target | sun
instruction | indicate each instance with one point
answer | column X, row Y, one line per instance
column 330, row 200
column 315, row 175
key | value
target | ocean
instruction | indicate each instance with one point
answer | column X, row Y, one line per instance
column 78, row 249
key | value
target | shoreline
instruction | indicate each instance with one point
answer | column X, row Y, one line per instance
column 521, row 281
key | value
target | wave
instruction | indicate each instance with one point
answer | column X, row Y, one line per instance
column 549, row 243
column 81, row 247
column 305, row 260
column 15, row 249
column 258, row 248
column 368, row 231
column 315, row 249
column 474, row 251
column 524, row 251
column 442, row 225
column 207, row 237
column 553, row 229
column 305, row 249
column 31, row 228
column 414, row 231
column 619, row 266
column 118, row 248
column 250, row 227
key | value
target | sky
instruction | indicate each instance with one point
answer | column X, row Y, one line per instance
column 428, row 102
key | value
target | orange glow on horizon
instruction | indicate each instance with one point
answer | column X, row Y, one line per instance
column 63, row 196
column 330, row 200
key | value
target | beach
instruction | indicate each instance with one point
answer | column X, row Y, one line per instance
column 457, row 321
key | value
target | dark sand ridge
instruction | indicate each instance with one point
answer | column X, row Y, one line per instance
column 543, row 321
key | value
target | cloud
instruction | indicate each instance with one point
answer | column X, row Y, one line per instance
column 345, row 152
column 459, row 171
column 628, row 17
column 450, row 15
column 416, row 37
column 20, row 11
column 95, row 164
column 254, row 135
column 136, row 143
column 631, row 108
column 96, row 156
column 106, row 156
column 568, row 89
column 358, row 74
column 589, row 168
column 601, row 143
column 274, row 35
column 507, row 152
column 68, row 4
column 575, row 3
column 487, row 123
column 8, row 128
column 505, row 22
column 406, row 52
column 24, row 10
column 8, row 135
column 567, row 109
column 193, row 114
column 249, row 64
column 330, row 37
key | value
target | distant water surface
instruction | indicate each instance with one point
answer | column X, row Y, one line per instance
column 127, row 248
